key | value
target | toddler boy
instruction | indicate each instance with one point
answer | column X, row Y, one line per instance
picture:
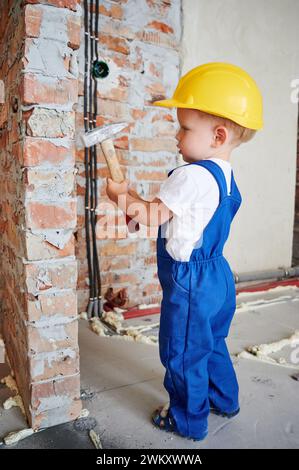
column 219, row 106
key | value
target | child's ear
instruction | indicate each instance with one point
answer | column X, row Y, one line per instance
column 220, row 136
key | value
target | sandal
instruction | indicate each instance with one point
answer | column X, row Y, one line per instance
column 217, row 412
column 162, row 419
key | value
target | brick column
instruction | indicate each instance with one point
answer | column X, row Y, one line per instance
column 38, row 64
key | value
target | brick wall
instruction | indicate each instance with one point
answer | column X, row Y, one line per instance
column 140, row 41
column 38, row 204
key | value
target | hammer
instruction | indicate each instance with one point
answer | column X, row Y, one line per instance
column 102, row 135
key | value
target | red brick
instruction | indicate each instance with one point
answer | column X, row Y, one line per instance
column 40, row 215
column 163, row 27
column 116, row 94
column 60, row 363
column 152, row 160
column 47, row 305
column 112, row 279
column 116, row 44
column 103, row 173
column 138, row 113
column 127, row 159
column 158, row 39
column 153, row 145
column 60, row 275
column 117, row 28
column 36, row 248
column 163, row 117
column 156, row 91
column 33, row 19
column 150, row 289
column 115, row 264
column 161, row 9
column 40, row 183
column 150, row 175
column 55, row 416
column 54, row 91
column 111, row 227
column 4, row 109
column 114, row 249
column 156, row 72
column 74, row 30
column 149, row 260
column 13, row 235
column 115, row 109
column 65, row 387
column 41, row 122
column 40, row 151
column 70, row 4
column 115, row 11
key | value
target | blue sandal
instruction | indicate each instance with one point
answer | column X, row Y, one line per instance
column 217, row 412
column 162, row 419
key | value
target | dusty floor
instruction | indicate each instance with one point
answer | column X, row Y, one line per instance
column 122, row 384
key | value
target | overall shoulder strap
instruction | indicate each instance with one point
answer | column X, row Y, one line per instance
column 235, row 193
column 218, row 174
column 171, row 171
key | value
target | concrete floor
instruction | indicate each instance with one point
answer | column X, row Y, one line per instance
column 122, row 384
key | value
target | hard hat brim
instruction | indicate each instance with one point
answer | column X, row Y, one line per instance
column 255, row 125
column 168, row 104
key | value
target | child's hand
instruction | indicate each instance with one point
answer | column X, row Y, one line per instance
column 114, row 189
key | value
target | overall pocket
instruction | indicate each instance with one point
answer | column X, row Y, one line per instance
column 174, row 279
column 180, row 276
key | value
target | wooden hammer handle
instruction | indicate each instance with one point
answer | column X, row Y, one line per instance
column 112, row 161
column 116, row 175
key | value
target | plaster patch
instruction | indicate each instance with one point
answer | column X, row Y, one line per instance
column 46, row 56
column 95, row 438
column 58, row 238
column 53, row 333
column 14, row 401
column 50, row 403
column 16, row 436
column 261, row 303
column 83, row 414
column 10, row 383
column 262, row 352
column 127, row 334
column 272, row 290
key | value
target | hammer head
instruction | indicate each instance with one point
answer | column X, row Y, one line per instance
column 97, row 135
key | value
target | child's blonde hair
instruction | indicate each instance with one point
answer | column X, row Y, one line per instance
column 240, row 134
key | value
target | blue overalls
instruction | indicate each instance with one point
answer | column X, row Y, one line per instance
column 198, row 304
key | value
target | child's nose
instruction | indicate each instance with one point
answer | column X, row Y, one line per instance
column 177, row 136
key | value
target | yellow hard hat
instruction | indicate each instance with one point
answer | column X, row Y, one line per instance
column 222, row 89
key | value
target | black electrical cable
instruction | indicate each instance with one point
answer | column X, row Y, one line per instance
column 94, row 308
column 93, row 69
column 91, row 165
column 96, row 36
column 86, row 163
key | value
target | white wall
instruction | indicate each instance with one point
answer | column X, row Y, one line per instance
column 262, row 37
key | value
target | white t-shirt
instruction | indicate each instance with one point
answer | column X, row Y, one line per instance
column 192, row 194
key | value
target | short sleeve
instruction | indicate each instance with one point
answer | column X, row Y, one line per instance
column 182, row 189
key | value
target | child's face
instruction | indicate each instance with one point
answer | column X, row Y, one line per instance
column 195, row 135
